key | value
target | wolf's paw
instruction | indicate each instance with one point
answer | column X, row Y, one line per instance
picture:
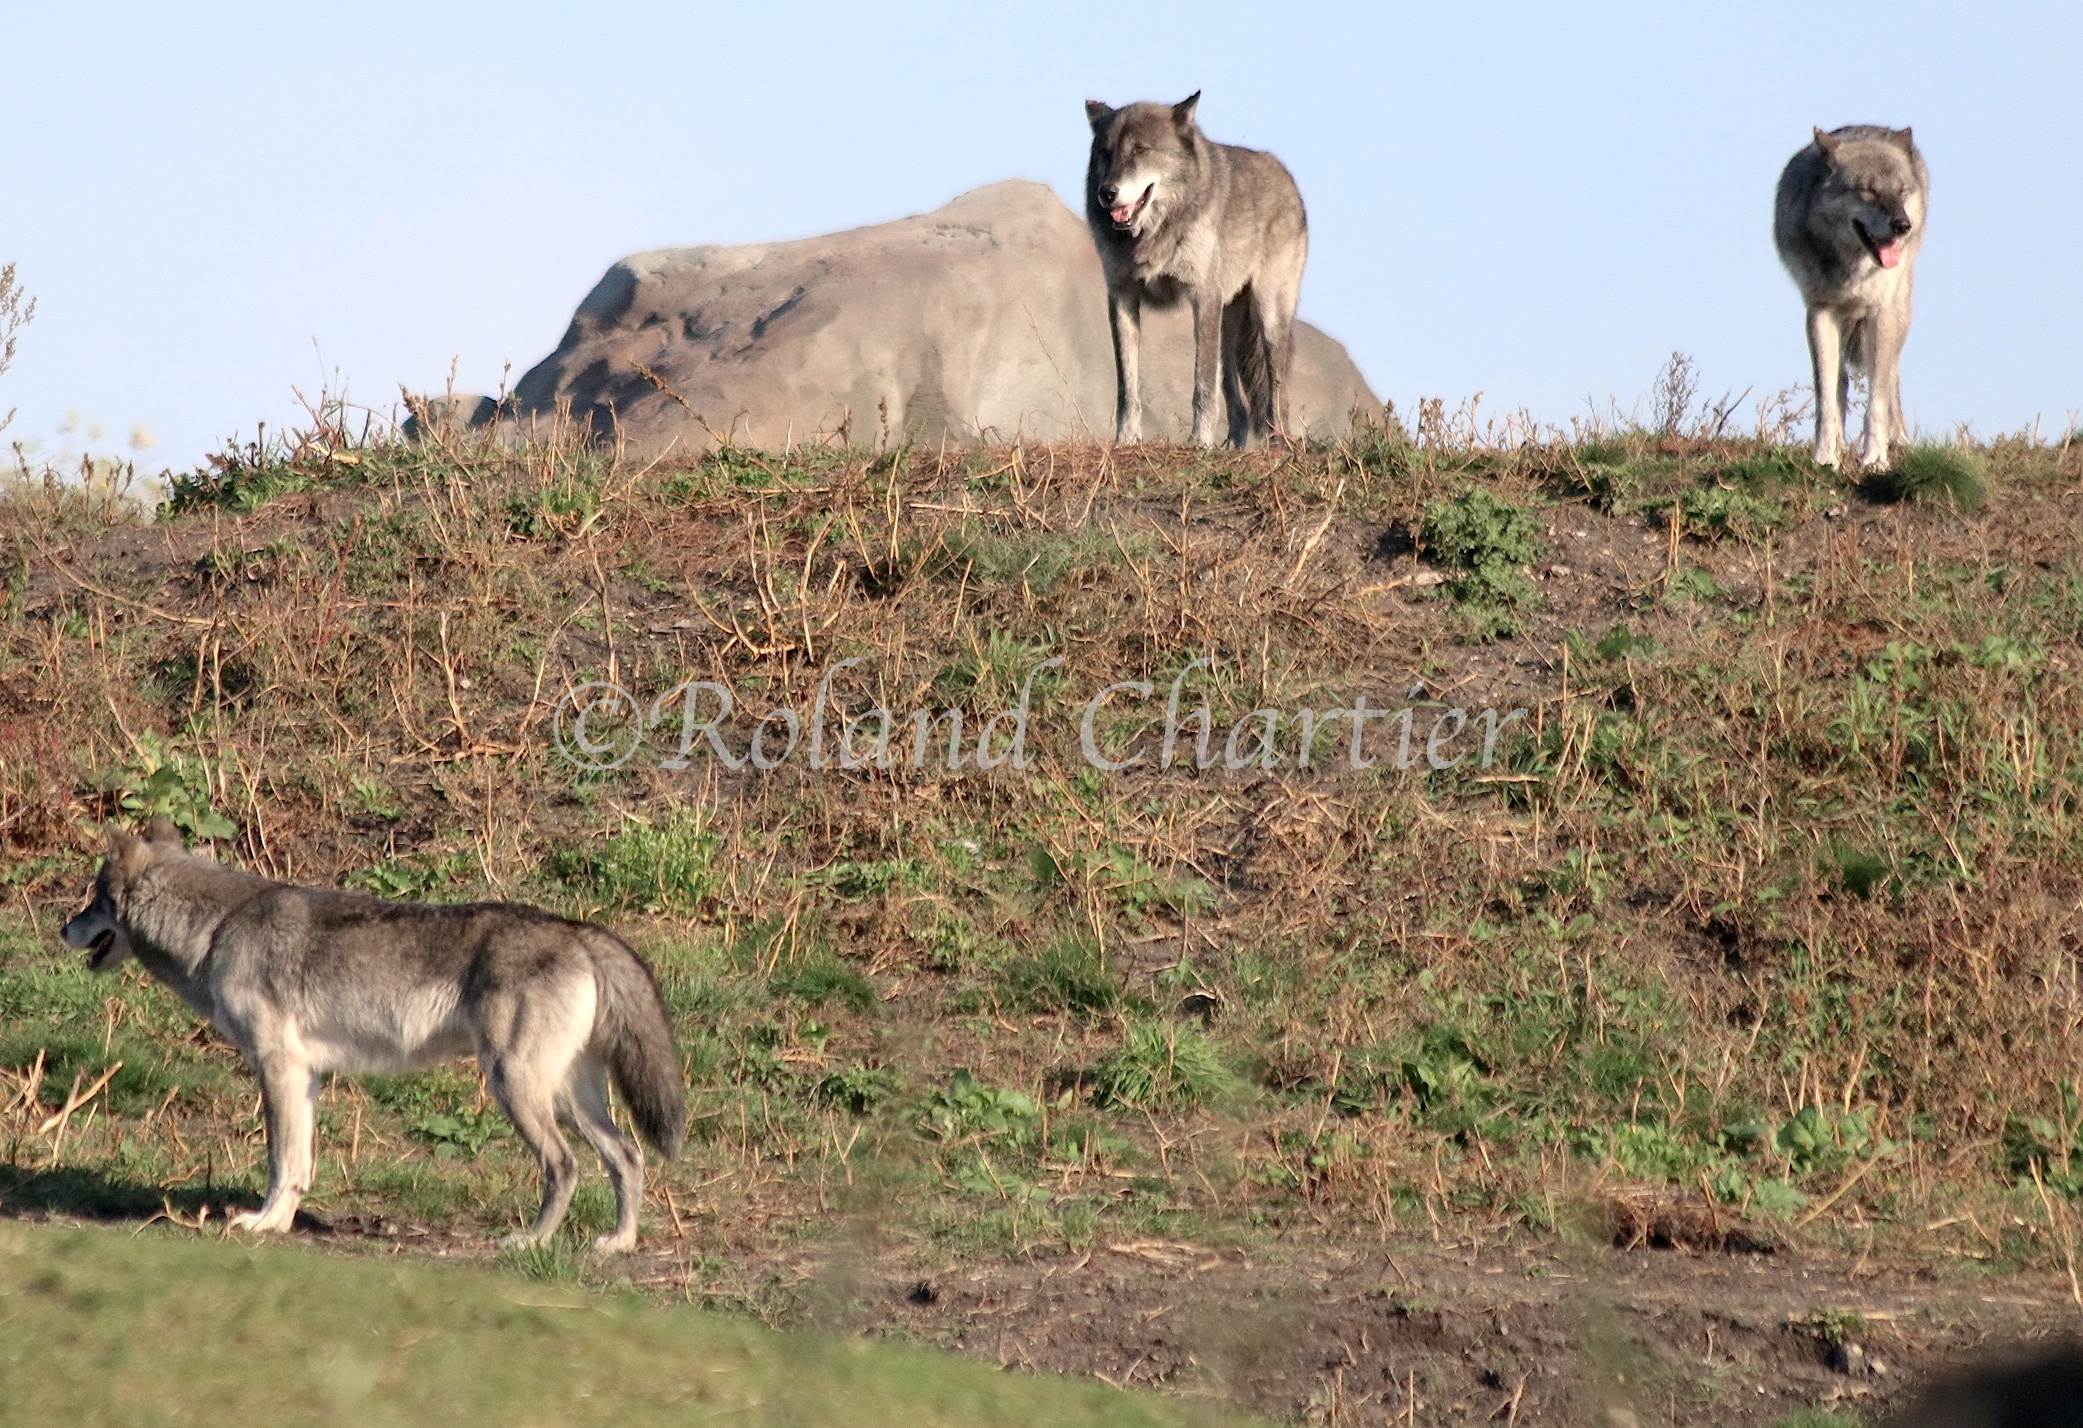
column 613, row 1244
column 523, row 1239
column 259, row 1222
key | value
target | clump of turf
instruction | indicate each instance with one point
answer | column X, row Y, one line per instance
column 1942, row 475
column 1489, row 542
column 1165, row 1066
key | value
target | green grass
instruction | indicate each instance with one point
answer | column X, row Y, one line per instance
column 650, row 866
column 1765, row 889
column 1954, row 476
column 112, row 1327
column 1164, row 1066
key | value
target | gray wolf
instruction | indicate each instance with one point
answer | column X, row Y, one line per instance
column 309, row 980
column 1849, row 221
column 1178, row 217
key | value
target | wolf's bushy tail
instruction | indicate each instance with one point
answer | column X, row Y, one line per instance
column 638, row 1040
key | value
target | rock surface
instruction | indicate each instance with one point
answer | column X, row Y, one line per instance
column 981, row 321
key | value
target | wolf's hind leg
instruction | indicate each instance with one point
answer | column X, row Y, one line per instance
column 588, row 1105
column 1247, row 377
column 532, row 1107
column 289, row 1092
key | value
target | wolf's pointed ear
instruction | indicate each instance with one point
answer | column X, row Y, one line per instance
column 1097, row 112
column 1825, row 144
column 1904, row 138
column 1182, row 112
column 161, row 833
column 125, row 850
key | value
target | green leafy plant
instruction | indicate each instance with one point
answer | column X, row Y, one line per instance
column 464, row 1131
column 414, row 878
column 859, row 1089
column 1721, row 511
column 818, row 979
column 970, row 1108
column 1488, row 542
column 166, row 782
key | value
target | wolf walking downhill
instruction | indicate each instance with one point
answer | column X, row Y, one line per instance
column 310, row 980
column 1179, row 217
column 1848, row 221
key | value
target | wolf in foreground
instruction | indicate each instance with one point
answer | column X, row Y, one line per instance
column 1848, row 222
column 1179, row 217
column 310, row 980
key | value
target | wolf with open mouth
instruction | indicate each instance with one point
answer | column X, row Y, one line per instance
column 310, row 980
column 1848, row 222
column 1180, row 218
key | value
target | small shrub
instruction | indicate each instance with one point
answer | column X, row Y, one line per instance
column 568, row 509
column 1939, row 475
column 238, row 483
column 465, row 1131
column 858, row 1089
column 821, row 978
column 1721, row 511
column 1859, row 871
column 1163, row 1066
column 969, row 1107
column 1489, row 542
column 667, row 866
column 859, row 881
column 1767, row 472
column 1142, row 888
column 1618, row 642
column 1690, row 582
column 416, row 878
column 1068, row 975
column 163, row 781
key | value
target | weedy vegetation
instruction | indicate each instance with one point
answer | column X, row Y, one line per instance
column 1768, row 899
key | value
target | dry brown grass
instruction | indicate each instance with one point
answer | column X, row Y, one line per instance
column 1773, row 908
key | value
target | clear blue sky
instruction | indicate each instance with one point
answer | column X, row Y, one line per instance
column 216, row 203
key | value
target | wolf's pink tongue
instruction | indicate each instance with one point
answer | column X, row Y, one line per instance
column 1890, row 254
column 1120, row 215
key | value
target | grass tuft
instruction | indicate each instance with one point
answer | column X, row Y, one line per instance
column 1952, row 476
column 1164, row 1066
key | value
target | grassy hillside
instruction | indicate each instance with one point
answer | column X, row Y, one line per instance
column 109, row 1328
column 1766, row 907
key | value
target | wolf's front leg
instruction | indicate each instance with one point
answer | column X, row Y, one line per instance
column 289, row 1091
column 1207, row 366
column 1826, row 354
column 1885, row 427
column 1125, row 313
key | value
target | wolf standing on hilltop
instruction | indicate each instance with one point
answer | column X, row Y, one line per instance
column 1848, row 222
column 310, row 980
column 1177, row 216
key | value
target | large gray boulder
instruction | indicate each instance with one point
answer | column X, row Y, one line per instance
column 983, row 321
